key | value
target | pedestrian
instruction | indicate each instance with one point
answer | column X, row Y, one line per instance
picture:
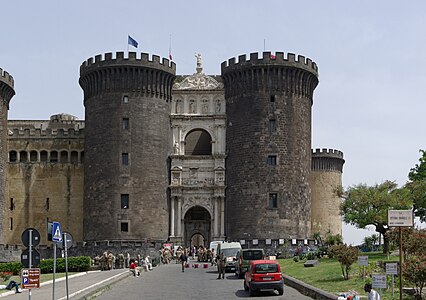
column 221, row 265
column 134, row 268
column 372, row 294
column 12, row 284
column 148, row 264
column 183, row 260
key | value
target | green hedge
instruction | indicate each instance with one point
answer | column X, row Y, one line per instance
column 75, row 264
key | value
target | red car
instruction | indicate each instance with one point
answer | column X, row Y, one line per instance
column 264, row 275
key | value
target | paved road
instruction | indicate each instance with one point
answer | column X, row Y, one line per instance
column 168, row 282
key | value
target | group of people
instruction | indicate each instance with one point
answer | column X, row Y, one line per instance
column 136, row 265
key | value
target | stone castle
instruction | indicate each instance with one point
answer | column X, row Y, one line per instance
column 160, row 157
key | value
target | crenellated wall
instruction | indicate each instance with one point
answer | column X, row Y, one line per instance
column 268, row 142
column 326, row 176
column 6, row 93
column 127, row 107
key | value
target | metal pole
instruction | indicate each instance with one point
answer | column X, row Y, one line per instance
column 31, row 257
column 393, row 283
column 64, row 242
column 400, row 263
column 54, row 270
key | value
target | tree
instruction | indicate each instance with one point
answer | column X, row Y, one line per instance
column 368, row 205
column 417, row 187
column 346, row 255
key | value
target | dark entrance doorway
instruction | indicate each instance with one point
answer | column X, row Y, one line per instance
column 197, row 224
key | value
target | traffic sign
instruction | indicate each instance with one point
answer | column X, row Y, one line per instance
column 56, row 232
column 30, row 278
column 67, row 240
column 35, row 258
column 35, row 237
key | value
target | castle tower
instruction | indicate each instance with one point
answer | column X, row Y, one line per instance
column 127, row 142
column 6, row 94
column 326, row 176
column 268, row 142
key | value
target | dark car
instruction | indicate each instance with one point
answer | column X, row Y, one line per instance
column 244, row 258
column 264, row 275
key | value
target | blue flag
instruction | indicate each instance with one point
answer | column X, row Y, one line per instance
column 132, row 41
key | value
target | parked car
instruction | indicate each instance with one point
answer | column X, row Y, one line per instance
column 264, row 275
column 244, row 258
column 229, row 251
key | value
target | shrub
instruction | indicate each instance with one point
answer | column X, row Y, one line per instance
column 414, row 270
column 296, row 259
column 13, row 267
column 346, row 255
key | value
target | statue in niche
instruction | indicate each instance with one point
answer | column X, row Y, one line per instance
column 192, row 107
column 205, row 108
column 218, row 106
column 178, row 106
column 176, row 148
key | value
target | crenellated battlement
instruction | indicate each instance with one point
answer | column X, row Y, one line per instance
column 7, row 78
column 327, row 160
column 133, row 59
column 327, row 152
column 268, row 59
column 49, row 133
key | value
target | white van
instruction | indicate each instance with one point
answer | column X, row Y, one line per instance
column 214, row 244
column 230, row 252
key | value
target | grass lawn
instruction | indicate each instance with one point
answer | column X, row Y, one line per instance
column 43, row 278
column 328, row 275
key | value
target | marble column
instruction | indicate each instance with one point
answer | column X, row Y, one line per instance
column 179, row 216
column 216, row 216
column 172, row 216
column 222, row 217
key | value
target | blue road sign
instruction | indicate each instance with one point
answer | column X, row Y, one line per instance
column 56, row 232
column 25, row 280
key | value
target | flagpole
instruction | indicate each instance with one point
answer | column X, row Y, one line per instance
column 264, row 45
column 170, row 47
column 127, row 46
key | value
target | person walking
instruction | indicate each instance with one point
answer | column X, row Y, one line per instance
column 372, row 294
column 183, row 260
column 221, row 264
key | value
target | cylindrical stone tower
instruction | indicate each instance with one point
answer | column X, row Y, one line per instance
column 6, row 94
column 326, row 176
column 268, row 141
column 127, row 139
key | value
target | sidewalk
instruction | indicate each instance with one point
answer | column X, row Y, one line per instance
column 79, row 285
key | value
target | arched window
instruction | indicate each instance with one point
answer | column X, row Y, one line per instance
column 74, row 157
column 23, row 156
column 33, row 156
column 43, row 156
column 13, row 156
column 64, row 157
column 198, row 142
column 54, row 156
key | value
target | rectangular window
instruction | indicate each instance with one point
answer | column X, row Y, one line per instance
column 124, row 227
column 272, row 125
column 125, row 99
column 273, row 200
column 126, row 124
column 124, row 201
column 272, row 160
column 272, row 98
column 125, row 159
column 47, row 204
column 11, row 224
column 12, row 204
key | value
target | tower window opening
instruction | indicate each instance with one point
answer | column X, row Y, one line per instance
column 23, row 156
column 54, row 156
column 64, row 157
column 272, row 125
column 33, row 156
column 12, row 204
column 124, row 201
column 43, row 156
column 47, row 204
column 273, row 200
column 272, row 98
column 74, row 157
column 126, row 123
column 126, row 99
column 13, row 156
column 124, row 226
column 125, row 159
column 272, row 160
column 11, row 224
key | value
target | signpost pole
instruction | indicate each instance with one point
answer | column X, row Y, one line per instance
column 393, row 284
column 64, row 242
column 400, row 263
column 30, row 256
column 54, row 271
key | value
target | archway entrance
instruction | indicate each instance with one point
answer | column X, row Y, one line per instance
column 197, row 224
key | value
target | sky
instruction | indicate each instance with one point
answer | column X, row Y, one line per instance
column 370, row 54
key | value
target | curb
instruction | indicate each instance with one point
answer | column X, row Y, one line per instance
column 308, row 290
